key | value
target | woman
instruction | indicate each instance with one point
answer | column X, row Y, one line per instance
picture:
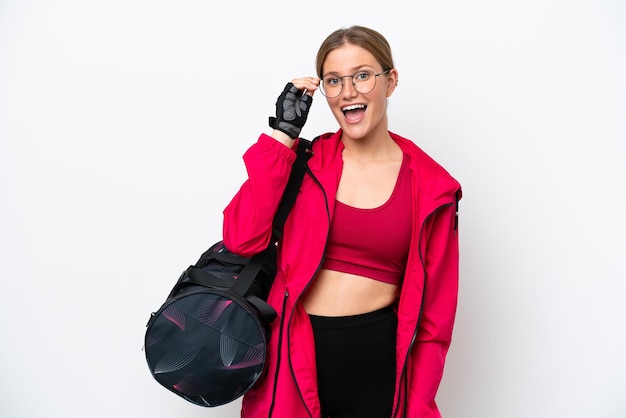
column 367, row 278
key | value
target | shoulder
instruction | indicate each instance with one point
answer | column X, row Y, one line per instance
column 430, row 174
column 327, row 139
column 418, row 156
column 327, row 149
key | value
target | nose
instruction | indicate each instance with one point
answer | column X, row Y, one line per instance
column 348, row 88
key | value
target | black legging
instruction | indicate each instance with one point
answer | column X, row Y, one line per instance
column 356, row 364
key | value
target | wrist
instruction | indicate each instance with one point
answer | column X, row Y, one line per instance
column 288, row 128
column 283, row 138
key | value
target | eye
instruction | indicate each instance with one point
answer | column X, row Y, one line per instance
column 362, row 76
column 332, row 81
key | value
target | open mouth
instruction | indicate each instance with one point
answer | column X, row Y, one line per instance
column 354, row 112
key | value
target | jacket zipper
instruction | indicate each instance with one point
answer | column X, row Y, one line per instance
column 282, row 322
column 293, row 375
column 282, row 319
column 419, row 315
column 278, row 354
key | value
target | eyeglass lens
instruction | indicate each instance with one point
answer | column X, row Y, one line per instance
column 363, row 82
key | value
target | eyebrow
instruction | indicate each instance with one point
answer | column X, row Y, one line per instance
column 354, row 69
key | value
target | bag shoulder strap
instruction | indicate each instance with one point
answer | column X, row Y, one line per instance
column 251, row 270
column 290, row 194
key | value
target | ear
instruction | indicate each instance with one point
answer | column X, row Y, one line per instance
column 392, row 81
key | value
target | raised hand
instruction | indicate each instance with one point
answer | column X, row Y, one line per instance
column 292, row 109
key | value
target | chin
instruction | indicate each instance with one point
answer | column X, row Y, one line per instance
column 349, row 130
column 355, row 131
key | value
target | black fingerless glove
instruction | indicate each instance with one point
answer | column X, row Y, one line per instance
column 292, row 109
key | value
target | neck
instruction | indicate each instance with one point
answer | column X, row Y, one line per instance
column 371, row 148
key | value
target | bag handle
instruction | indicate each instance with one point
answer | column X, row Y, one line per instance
column 217, row 255
column 194, row 276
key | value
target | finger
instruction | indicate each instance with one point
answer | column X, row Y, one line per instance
column 307, row 85
column 310, row 91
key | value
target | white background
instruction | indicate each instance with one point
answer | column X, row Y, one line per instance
column 118, row 119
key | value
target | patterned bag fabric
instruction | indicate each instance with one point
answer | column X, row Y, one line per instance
column 207, row 342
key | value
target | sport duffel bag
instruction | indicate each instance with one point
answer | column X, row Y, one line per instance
column 207, row 342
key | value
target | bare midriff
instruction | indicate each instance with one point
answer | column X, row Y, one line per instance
column 334, row 293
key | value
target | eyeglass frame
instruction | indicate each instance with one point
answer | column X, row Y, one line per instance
column 353, row 83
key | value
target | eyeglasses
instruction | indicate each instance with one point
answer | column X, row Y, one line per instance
column 363, row 82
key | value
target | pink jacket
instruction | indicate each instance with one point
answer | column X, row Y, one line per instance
column 427, row 297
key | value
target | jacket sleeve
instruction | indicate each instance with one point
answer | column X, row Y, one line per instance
column 439, row 310
column 248, row 217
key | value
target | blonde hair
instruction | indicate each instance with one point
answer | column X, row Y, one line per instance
column 366, row 38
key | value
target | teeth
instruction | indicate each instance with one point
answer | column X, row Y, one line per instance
column 352, row 107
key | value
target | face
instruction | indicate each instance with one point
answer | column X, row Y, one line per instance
column 360, row 115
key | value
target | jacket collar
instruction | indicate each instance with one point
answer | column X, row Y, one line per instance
column 434, row 185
